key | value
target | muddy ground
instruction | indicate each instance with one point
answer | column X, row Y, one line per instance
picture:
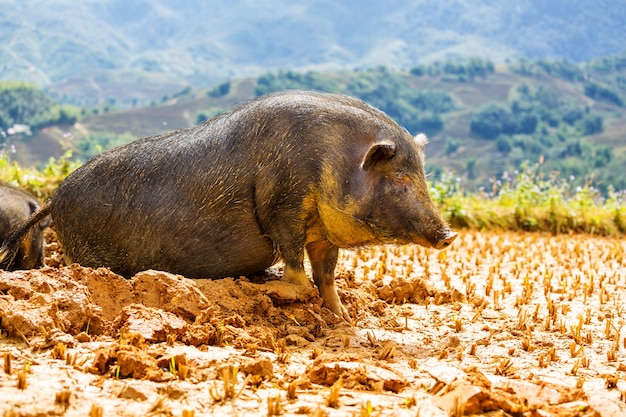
column 499, row 324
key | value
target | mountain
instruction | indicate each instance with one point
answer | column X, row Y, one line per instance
column 131, row 52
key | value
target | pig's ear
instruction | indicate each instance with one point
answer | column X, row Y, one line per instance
column 421, row 140
column 378, row 152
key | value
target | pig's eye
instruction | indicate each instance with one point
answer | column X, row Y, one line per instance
column 400, row 181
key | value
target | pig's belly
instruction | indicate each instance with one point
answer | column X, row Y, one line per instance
column 211, row 250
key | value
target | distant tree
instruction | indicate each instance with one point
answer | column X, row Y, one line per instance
column 470, row 167
column 610, row 63
column 522, row 67
column 201, row 118
column 220, row 90
column 432, row 100
column 205, row 115
column 23, row 103
column 547, row 97
column 430, row 123
column 491, row 120
column 285, row 80
column 573, row 148
column 561, row 69
column 462, row 70
column 477, row 67
column 591, row 124
column 602, row 156
column 67, row 115
column 416, row 110
column 572, row 114
column 503, row 145
column 527, row 124
column 600, row 92
column 418, row 71
column 5, row 121
column 183, row 92
column 453, row 67
column 451, row 145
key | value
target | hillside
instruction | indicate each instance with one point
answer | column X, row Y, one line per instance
column 133, row 52
column 572, row 121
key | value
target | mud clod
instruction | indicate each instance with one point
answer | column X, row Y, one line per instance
column 261, row 367
column 152, row 323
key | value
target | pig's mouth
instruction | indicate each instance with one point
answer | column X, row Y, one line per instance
column 446, row 239
column 441, row 239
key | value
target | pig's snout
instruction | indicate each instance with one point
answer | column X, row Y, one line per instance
column 446, row 237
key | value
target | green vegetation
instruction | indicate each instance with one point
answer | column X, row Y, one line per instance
column 530, row 111
column 41, row 182
column 220, row 90
column 563, row 69
column 538, row 124
column 601, row 92
column 602, row 79
column 290, row 80
column 532, row 201
column 94, row 143
column 25, row 104
column 451, row 145
column 456, row 70
column 205, row 115
column 416, row 110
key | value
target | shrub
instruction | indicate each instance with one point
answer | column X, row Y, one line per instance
column 503, row 145
column 490, row 121
column 599, row 92
column 220, row 90
column 591, row 124
column 451, row 145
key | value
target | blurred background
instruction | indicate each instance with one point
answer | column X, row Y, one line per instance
column 497, row 85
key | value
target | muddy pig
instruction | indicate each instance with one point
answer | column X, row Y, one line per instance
column 16, row 207
column 284, row 173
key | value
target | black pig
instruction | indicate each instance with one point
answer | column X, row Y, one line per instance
column 16, row 207
column 282, row 173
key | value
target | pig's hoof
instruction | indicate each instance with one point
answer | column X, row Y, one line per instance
column 336, row 307
column 343, row 313
column 332, row 301
column 346, row 316
column 297, row 277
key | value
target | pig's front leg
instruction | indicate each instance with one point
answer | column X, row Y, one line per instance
column 323, row 257
column 293, row 271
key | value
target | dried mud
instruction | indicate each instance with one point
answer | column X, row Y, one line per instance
column 499, row 324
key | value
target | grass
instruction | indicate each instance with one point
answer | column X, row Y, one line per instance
column 40, row 182
column 531, row 201
column 524, row 200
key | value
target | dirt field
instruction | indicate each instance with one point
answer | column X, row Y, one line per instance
column 499, row 324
